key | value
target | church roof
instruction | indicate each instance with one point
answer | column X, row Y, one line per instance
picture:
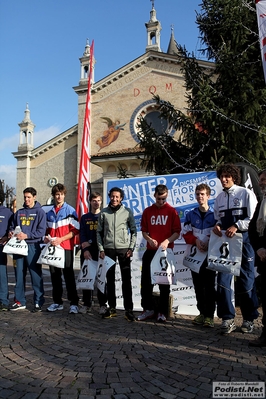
column 120, row 153
column 172, row 47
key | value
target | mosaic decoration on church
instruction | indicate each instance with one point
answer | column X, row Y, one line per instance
column 111, row 133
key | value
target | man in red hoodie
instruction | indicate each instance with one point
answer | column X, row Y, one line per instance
column 160, row 226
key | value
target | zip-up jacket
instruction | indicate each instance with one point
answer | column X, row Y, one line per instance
column 235, row 206
column 32, row 222
column 63, row 222
column 116, row 229
column 195, row 225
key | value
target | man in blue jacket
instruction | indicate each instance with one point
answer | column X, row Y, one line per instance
column 196, row 231
column 5, row 220
column 32, row 222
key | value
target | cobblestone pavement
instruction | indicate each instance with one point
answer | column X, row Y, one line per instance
column 67, row 356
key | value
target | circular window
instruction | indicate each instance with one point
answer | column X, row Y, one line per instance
column 149, row 111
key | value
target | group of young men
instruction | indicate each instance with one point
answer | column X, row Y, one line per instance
column 57, row 227
column 235, row 211
column 112, row 232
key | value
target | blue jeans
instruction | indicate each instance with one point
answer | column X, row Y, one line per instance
column 247, row 288
column 3, row 278
column 35, row 269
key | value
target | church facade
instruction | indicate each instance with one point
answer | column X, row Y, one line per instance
column 117, row 102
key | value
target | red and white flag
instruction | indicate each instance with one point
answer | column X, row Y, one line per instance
column 84, row 167
column 261, row 17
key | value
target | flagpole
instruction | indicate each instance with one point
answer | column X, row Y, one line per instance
column 261, row 17
column 84, row 166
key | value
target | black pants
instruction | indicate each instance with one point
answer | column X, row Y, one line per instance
column 204, row 285
column 69, row 276
column 147, row 288
column 124, row 263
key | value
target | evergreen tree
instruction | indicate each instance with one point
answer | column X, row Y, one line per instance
column 226, row 115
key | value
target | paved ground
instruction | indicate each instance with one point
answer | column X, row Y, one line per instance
column 62, row 356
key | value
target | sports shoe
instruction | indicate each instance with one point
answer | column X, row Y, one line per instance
column 37, row 308
column 208, row 322
column 83, row 309
column 259, row 342
column 228, row 326
column 74, row 309
column 3, row 308
column 147, row 314
column 199, row 320
column 247, row 326
column 102, row 310
column 18, row 306
column 54, row 307
column 111, row 312
column 129, row 315
column 161, row 318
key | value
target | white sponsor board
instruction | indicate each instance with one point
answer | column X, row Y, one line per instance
column 139, row 194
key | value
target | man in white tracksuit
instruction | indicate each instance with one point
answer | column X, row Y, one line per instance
column 233, row 210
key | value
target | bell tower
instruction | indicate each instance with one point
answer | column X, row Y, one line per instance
column 153, row 31
column 24, row 155
column 26, row 132
column 85, row 65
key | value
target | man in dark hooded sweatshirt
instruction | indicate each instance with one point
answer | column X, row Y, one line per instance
column 32, row 222
column 5, row 220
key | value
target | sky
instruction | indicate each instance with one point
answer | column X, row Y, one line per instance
column 41, row 42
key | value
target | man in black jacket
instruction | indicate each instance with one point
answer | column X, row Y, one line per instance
column 257, row 234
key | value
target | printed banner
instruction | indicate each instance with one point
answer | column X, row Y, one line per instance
column 84, row 167
column 139, row 194
column 103, row 267
column 163, row 267
column 261, row 17
column 194, row 258
column 225, row 254
column 87, row 275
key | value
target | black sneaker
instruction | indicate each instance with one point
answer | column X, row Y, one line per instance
column 247, row 326
column 113, row 312
column 106, row 314
column 18, row 306
column 37, row 309
column 3, row 308
column 129, row 315
column 109, row 313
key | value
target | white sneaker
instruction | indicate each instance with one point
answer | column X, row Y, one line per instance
column 54, row 307
column 102, row 310
column 228, row 326
column 74, row 309
column 147, row 314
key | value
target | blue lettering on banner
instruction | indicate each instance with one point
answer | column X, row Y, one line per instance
column 139, row 191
